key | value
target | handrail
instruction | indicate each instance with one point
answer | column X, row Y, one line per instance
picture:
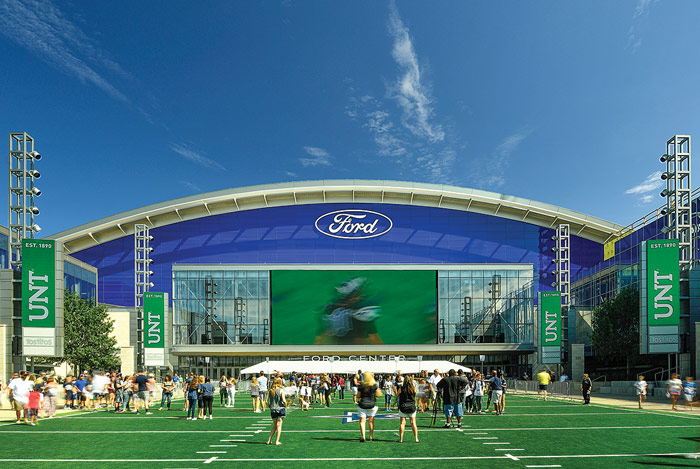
column 644, row 373
column 605, row 379
column 669, row 370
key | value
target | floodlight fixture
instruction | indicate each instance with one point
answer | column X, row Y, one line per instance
column 664, row 158
column 35, row 154
column 35, row 228
column 35, row 191
column 34, row 173
column 666, row 175
column 666, row 192
column 34, row 210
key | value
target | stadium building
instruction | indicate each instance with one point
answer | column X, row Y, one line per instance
column 363, row 269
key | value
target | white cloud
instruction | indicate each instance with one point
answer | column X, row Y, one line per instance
column 639, row 20
column 191, row 186
column 290, row 174
column 491, row 175
column 42, row 29
column 319, row 157
column 646, row 199
column 412, row 95
column 651, row 183
column 187, row 153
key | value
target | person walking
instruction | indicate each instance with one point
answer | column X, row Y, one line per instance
column 118, row 393
column 388, row 389
column 674, row 387
column 262, row 384
column 200, row 399
column 478, row 393
column 689, row 391
column 407, row 408
column 192, row 394
column 641, row 389
column 586, row 386
column 231, row 389
column 167, row 392
column 208, row 398
column 277, row 404
column 354, row 386
column 34, row 404
column 223, row 391
column 255, row 395
column 543, row 378
column 50, row 396
column 367, row 395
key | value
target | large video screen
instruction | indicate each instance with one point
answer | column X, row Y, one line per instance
column 350, row 307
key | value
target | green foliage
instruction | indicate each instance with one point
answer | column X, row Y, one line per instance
column 615, row 334
column 89, row 343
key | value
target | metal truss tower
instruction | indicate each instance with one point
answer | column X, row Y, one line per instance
column 22, row 191
column 679, row 212
column 562, row 273
column 142, row 280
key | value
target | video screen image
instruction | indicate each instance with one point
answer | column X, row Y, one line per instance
column 351, row 307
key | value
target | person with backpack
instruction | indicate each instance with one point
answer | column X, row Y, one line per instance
column 277, row 404
column 407, row 408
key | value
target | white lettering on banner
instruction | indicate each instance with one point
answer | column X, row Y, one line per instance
column 153, row 328
column 353, row 224
column 661, row 296
column 36, row 296
column 551, row 328
column 337, row 358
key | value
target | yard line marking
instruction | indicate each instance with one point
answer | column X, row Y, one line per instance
column 509, row 449
column 422, row 458
column 485, row 438
column 210, row 460
column 546, row 465
column 241, row 435
column 223, row 446
column 478, row 433
column 511, row 457
column 211, row 452
column 496, row 443
column 231, row 440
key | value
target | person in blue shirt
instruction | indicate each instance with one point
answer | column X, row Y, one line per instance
column 689, row 391
column 207, row 398
column 80, row 385
column 496, row 387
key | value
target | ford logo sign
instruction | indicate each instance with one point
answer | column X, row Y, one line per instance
column 353, row 224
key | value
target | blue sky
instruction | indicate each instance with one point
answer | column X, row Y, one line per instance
column 133, row 102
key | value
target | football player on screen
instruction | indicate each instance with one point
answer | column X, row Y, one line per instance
column 349, row 320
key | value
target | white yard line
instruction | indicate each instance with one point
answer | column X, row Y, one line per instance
column 485, row 438
column 545, row 465
column 223, row 446
column 495, row 443
column 231, row 440
column 509, row 449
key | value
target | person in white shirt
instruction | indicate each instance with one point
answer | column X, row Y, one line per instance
column 564, row 377
column 18, row 395
column 674, row 387
column 640, row 386
column 262, row 384
column 434, row 379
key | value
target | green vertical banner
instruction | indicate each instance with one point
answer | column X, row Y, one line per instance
column 662, row 297
column 38, row 283
column 550, row 327
column 154, row 328
column 663, row 290
column 39, row 298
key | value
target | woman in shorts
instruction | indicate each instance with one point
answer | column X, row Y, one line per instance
column 674, row 387
column 422, row 395
column 255, row 394
column 277, row 404
column 641, row 389
column 68, row 392
column 305, row 399
column 406, row 400
column 200, row 397
column 223, row 392
column 367, row 395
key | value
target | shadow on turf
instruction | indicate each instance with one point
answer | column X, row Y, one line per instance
column 353, row 439
column 681, row 462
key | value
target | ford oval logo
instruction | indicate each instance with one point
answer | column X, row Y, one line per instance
column 353, row 224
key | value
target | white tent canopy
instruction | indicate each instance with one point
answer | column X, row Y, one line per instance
column 351, row 366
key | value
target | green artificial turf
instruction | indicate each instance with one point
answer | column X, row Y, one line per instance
column 545, row 433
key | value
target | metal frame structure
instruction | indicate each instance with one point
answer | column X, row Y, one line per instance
column 337, row 191
column 142, row 280
column 562, row 282
column 21, row 208
column 679, row 211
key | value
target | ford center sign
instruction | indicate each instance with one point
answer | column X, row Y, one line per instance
column 353, row 224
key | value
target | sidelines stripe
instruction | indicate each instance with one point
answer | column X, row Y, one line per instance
column 442, row 430
column 223, row 446
column 417, row 458
column 509, row 449
column 211, row 452
column 546, row 465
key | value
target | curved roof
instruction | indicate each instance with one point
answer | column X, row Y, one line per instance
column 335, row 191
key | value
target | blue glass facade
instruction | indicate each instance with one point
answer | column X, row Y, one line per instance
column 79, row 280
column 288, row 235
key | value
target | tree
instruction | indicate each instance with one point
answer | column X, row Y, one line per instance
column 89, row 343
column 615, row 334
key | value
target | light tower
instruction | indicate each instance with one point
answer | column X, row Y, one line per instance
column 22, row 191
column 679, row 211
column 142, row 281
